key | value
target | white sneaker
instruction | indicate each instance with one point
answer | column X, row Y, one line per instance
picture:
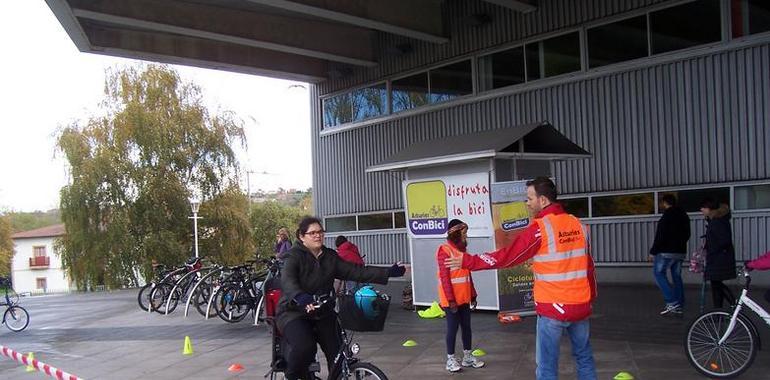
column 471, row 361
column 452, row 365
column 671, row 309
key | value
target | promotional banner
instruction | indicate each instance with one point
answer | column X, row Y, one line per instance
column 509, row 217
column 432, row 203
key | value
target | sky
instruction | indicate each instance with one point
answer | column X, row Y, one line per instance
column 47, row 84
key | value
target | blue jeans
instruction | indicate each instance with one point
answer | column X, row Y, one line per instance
column 673, row 292
column 549, row 332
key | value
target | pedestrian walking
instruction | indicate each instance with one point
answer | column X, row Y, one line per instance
column 667, row 253
column 720, row 252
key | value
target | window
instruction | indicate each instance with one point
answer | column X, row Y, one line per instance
column 623, row 205
column 752, row 197
column 41, row 283
column 375, row 221
column 501, row 69
column 575, row 206
column 38, row 251
column 451, row 81
column 369, row 102
column 341, row 223
column 750, row 17
column 617, row 42
column 337, row 110
column 533, row 61
column 685, row 26
column 399, row 219
column 554, row 56
column 358, row 105
column 690, row 200
column 409, row 92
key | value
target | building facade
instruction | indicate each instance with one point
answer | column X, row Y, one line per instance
column 36, row 266
column 668, row 96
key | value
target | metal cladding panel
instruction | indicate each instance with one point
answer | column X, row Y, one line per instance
column 700, row 120
column 621, row 240
column 380, row 248
column 466, row 37
column 751, row 234
column 629, row 240
column 693, row 121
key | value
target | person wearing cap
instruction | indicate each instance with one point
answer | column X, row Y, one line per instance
column 564, row 283
column 457, row 297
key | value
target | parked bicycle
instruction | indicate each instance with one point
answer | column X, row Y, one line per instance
column 165, row 296
column 239, row 294
column 723, row 343
column 15, row 317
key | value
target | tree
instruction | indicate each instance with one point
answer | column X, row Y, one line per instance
column 25, row 221
column 225, row 230
column 6, row 246
column 132, row 171
column 266, row 218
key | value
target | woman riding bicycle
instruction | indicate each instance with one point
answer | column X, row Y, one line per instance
column 309, row 271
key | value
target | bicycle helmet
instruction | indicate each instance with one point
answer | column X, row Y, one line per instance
column 367, row 301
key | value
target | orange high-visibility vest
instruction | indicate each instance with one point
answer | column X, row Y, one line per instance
column 460, row 278
column 561, row 264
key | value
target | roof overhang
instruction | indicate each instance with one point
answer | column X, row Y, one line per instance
column 305, row 40
column 537, row 141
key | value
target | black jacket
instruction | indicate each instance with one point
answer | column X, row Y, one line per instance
column 720, row 253
column 303, row 273
column 672, row 233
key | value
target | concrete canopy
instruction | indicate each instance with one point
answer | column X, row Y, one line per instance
column 532, row 141
column 303, row 40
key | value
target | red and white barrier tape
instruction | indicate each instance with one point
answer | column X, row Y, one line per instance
column 45, row 368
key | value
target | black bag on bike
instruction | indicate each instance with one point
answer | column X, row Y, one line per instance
column 366, row 310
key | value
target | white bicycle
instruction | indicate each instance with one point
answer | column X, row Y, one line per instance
column 723, row 343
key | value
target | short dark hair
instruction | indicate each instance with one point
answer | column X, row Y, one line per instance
column 709, row 203
column 305, row 223
column 340, row 240
column 669, row 199
column 544, row 187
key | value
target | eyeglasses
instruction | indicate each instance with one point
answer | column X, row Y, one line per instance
column 314, row 233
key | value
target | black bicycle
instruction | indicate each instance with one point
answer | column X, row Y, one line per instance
column 15, row 317
column 346, row 363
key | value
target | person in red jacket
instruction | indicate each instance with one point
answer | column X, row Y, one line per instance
column 457, row 296
column 564, row 278
column 347, row 251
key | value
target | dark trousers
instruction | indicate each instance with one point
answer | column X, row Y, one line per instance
column 719, row 293
column 302, row 335
column 462, row 318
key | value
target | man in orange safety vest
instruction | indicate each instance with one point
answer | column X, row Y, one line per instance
column 564, row 284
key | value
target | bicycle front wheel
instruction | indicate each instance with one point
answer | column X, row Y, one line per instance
column 727, row 360
column 16, row 318
column 144, row 296
column 363, row 370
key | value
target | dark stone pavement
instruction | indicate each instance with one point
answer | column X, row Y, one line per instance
column 106, row 336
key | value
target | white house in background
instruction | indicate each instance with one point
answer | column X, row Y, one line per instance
column 36, row 266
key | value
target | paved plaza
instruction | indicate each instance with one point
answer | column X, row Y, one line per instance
column 106, row 336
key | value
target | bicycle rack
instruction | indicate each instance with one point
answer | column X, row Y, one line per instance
column 214, row 270
column 176, row 285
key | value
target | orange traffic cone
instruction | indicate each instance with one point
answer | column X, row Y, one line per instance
column 236, row 367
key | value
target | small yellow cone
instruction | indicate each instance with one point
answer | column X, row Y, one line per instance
column 478, row 352
column 187, row 346
column 30, row 358
column 409, row 343
column 623, row 375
